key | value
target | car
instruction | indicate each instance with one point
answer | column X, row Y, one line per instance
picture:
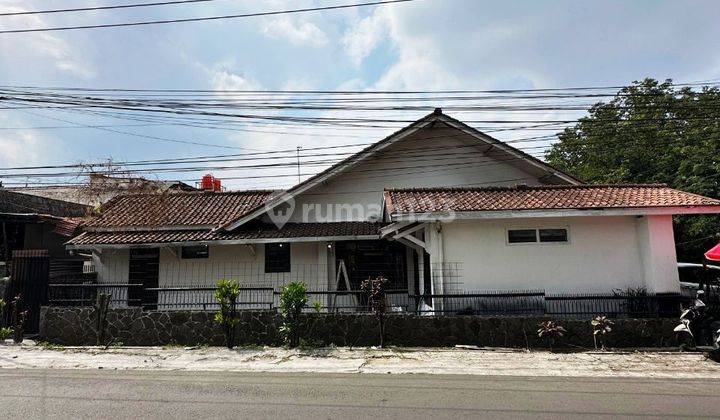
column 692, row 274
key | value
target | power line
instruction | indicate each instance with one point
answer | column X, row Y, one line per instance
column 119, row 6
column 206, row 18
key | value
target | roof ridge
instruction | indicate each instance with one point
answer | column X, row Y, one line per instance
column 201, row 192
column 525, row 187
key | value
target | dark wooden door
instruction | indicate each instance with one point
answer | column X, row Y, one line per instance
column 144, row 272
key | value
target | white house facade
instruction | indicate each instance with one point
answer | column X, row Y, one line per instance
column 437, row 208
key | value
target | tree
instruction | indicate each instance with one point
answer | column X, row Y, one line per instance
column 652, row 132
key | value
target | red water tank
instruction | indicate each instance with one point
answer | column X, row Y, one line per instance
column 207, row 182
column 216, row 184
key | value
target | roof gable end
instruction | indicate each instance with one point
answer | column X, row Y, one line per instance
column 367, row 153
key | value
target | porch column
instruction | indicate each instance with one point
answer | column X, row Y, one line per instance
column 434, row 246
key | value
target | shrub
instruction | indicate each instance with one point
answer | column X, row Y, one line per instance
column 601, row 326
column 226, row 294
column 550, row 332
column 5, row 332
column 318, row 306
column 293, row 299
column 17, row 319
column 377, row 301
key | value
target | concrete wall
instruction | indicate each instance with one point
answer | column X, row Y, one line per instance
column 77, row 326
column 603, row 253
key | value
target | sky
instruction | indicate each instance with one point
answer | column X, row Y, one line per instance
column 421, row 45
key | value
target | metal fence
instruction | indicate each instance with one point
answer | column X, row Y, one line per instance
column 492, row 303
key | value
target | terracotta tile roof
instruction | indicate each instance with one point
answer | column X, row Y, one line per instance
column 263, row 231
column 552, row 197
column 189, row 209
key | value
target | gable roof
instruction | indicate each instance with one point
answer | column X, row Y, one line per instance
column 549, row 197
column 201, row 209
column 352, row 160
column 19, row 203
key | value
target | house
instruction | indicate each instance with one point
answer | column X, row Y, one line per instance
column 33, row 232
column 437, row 207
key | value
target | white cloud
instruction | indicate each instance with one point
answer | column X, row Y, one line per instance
column 40, row 46
column 223, row 79
column 297, row 32
column 365, row 35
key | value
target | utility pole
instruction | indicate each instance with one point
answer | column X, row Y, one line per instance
column 298, row 162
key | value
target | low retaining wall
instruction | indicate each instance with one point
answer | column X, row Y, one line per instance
column 135, row 327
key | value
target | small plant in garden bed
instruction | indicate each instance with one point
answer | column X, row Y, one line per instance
column 293, row 299
column 550, row 332
column 17, row 319
column 5, row 333
column 317, row 305
column 377, row 300
column 601, row 327
column 226, row 294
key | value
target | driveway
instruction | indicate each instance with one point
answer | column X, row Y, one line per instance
column 40, row 393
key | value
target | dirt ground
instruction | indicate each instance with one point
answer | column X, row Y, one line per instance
column 364, row 360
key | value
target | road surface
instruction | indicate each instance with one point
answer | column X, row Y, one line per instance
column 37, row 393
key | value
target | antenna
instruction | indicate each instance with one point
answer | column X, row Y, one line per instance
column 298, row 162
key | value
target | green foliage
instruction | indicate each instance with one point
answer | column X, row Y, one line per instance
column 550, row 332
column 226, row 294
column 5, row 333
column 18, row 317
column 317, row 305
column 601, row 327
column 2, row 312
column 293, row 299
column 377, row 300
column 652, row 132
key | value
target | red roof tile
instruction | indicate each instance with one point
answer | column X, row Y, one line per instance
column 556, row 197
column 177, row 209
column 264, row 231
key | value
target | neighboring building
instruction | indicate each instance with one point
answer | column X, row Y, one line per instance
column 102, row 188
column 32, row 222
column 437, row 207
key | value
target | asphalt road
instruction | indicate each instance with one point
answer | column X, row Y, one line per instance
column 157, row 394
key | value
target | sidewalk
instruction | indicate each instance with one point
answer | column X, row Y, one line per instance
column 365, row 360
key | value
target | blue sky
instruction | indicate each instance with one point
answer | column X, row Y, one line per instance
column 422, row 45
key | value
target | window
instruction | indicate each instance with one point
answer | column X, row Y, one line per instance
column 277, row 258
column 519, row 236
column 553, row 235
column 544, row 235
column 199, row 251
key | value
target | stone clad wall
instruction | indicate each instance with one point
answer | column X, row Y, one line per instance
column 135, row 327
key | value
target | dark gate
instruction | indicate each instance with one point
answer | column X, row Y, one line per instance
column 29, row 278
column 144, row 272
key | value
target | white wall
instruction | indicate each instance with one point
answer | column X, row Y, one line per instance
column 656, row 242
column 113, row 267
column 603, row 253
column 400, row 167
column 233, row 262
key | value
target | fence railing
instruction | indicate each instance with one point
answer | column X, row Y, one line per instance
column 493, row 303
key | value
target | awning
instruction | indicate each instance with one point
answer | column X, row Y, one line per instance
column 714, row 253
